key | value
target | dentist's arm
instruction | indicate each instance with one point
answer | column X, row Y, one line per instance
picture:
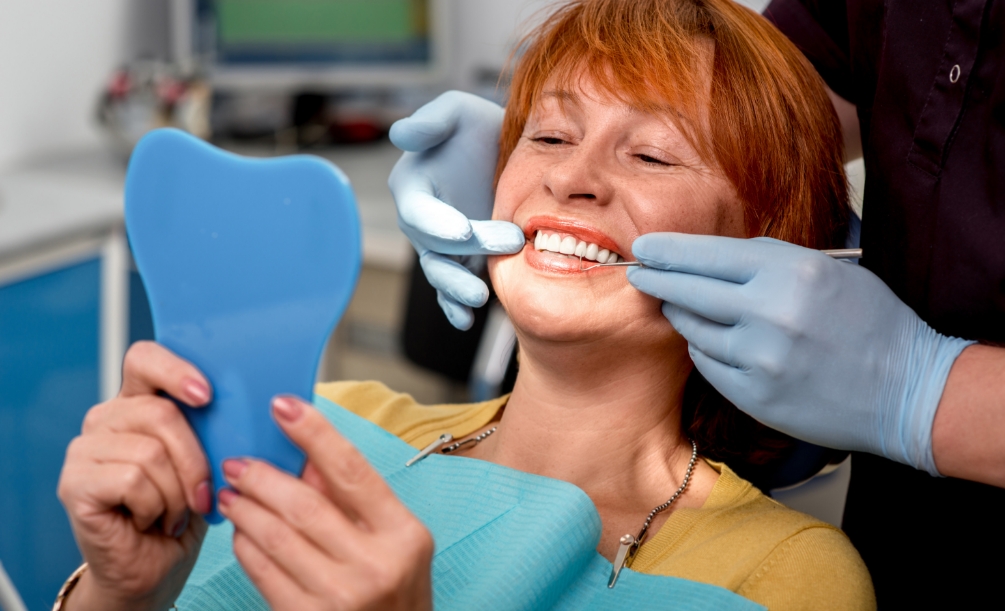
column 443, row 189
column 823, row 350
column 968, row 436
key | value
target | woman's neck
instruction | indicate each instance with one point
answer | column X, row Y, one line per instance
column 611, row 426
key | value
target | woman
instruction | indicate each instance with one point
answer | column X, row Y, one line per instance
column 626, row 117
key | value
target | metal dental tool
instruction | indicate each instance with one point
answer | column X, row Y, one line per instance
column 837, row 253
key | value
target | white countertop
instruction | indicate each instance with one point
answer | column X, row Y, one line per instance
column 79, row 193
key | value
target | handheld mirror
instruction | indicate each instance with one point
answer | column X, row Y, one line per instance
column 248, row 265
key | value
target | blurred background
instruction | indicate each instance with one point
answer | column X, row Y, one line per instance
column 81, row 82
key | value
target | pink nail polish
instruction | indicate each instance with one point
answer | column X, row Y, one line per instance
column 196, row 392
column 287, row 409
column 204, row 497
column 180, row 527
column 233, row 468
column 226, row 497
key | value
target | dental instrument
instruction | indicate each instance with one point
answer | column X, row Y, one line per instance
column 836, row 253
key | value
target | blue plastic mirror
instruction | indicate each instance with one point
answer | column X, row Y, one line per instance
column 248, row 265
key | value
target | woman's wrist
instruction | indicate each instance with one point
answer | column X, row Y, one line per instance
column 87, row 595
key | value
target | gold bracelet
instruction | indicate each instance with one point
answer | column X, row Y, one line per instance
column 68, row 586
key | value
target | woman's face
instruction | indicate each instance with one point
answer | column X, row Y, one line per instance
column 592, row 170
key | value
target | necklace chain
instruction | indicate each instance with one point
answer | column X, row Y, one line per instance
column 472, row 440
column 676, row 495
column 629, row 544
column 652, row 514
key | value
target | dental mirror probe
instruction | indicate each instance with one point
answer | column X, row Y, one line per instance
column 837, row 253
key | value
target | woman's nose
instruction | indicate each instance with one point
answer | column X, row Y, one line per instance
column 579, row 177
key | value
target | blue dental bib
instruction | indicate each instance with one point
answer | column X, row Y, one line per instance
column 504, row 540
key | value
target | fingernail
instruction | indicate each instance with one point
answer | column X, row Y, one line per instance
column 196, row 392
column 287, row 409
column 180, row 527
column 204, row 497
column 233, row 468
column 227, row 497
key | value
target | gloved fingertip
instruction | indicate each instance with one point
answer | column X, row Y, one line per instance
column 461, row 317
column 477, row 296
column 653, row 249
column 669, row 310
column 416, row 135
column 499, row 237
column 429, row 216
column 638, row 277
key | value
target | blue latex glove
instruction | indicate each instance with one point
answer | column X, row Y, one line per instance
column 817, row 348
column 442, row 186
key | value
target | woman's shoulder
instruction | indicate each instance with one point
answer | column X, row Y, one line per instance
column 815, row 568
column 401, row 415
column 746, row 542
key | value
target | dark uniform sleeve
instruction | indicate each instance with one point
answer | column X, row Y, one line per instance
column 820, row 29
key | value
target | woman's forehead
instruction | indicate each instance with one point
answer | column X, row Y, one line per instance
column 566, row 96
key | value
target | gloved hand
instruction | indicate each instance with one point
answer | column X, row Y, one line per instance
column 817, row 348
column 442, row 186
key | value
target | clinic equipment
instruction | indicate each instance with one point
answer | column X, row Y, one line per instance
column 297, row 46
column 10, row 600
column 505, row 540
column 248, row 264
column 836, row 253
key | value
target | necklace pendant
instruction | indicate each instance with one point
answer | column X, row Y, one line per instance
column 426, row 451
column 628, row 544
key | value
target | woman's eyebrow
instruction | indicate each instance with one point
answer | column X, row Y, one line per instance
column 562, row 95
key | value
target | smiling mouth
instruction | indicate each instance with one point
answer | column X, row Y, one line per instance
column 570, row 246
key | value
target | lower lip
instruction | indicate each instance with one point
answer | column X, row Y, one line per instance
column 548, row 261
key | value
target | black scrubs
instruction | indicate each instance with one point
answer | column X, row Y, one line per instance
column 928, row 78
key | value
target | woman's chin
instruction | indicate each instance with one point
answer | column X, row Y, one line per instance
column 549, row 302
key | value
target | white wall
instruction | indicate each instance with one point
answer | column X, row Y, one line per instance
column 486, row 30
column 54, row 57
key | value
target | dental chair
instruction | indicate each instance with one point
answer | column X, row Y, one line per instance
column 10, row 600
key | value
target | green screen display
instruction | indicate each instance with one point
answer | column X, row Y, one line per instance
column 286, row 23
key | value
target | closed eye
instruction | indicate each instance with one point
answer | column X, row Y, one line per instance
column 549, row 140
column 652, row 160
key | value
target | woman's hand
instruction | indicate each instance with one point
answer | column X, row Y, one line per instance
column 336, row 539
column 134, row 484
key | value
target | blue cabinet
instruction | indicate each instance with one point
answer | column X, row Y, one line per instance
column 50, row 375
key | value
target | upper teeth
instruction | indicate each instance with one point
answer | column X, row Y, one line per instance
column 577, row 248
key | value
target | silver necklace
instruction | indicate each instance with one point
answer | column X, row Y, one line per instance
column 473, row 441
column 629, row 543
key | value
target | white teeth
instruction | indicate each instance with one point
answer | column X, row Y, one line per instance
column 554, row 243
column 571, row 246
column 568, row 246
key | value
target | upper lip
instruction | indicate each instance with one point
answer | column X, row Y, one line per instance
column 573, row 227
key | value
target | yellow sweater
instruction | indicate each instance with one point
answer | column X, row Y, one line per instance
column 739, row 539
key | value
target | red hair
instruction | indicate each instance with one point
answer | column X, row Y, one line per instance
column 770, row 128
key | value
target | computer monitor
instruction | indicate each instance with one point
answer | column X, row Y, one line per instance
column 313, row 44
